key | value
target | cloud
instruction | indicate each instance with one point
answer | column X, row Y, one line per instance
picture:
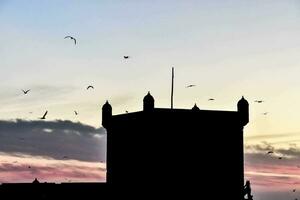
column 53, row 139
column 16, row 169
column 264, row 169
column 258, row 154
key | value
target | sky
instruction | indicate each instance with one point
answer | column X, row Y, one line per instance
column 226, row 48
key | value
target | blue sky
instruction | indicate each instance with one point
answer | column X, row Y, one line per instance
column 226, row 48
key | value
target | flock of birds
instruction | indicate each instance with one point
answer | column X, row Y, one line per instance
column 212, row 99
column 92, row 87
column 25, row 92
column 88, row 87
column 272, row 152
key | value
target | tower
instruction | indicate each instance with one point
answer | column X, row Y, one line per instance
column 148, row 102
column 243, row 110
column 195, row 108
column 106, row 114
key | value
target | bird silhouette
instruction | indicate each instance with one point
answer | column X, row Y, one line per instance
column 270, row 152
column 294, row 190
column 90, row 86
column 126, row 57
column 211, row 99
column 265, row 113
column 72, row 38
column 44, row 116
column 29, row 167
column 25, row 91
column 259, row 101
column 76, row 113
column 189, row 86
column 280, row 158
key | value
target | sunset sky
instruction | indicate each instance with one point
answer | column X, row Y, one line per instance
column 226, row 48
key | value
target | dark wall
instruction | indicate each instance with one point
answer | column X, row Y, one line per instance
column 171, row 152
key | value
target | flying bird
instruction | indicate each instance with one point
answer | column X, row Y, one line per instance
column 44, row 116
column 270, row 152
column 265, row 113
column 279, row 158
column 126, row 57
column 211, row 99
column 25, row 91
column 294, row 190
column 72, row 38
column 29, row 167
column 259, row 101
column 76, row 113
column 90, row 86
column 189, row 86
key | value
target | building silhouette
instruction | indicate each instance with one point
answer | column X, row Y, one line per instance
column 176, row 152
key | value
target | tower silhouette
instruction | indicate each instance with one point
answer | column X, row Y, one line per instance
column 148, row 102
column 162, row 151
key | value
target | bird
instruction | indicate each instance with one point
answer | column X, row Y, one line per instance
column 211, row 99
column 270, row 152
column 259, row 101
column 25, row 91
column 72, row 38
column 126, row 111
column 189, row 86
column 265, row 113
column 90, row 86
column 29, row 167
column 44, row 116
column 126, row 57
column 76, row 113
column 279, row 158
column 294, row 190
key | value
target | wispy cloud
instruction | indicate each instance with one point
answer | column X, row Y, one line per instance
column 266, row 169
column 25, row 169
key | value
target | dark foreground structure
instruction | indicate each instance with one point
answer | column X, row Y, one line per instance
column 192, row 153
column 160, row 152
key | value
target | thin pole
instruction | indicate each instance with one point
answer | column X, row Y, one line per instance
column 172, row 88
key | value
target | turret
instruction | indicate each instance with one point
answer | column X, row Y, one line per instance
column 195, row 108
column 243, row 110
column 106, row 114
column 148, row 102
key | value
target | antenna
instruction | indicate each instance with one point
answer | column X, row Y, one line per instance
column 172, row 87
